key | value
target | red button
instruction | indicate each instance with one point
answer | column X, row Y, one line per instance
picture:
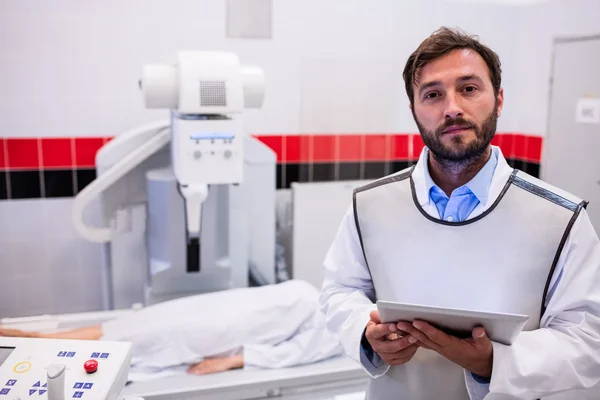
column 90, row 366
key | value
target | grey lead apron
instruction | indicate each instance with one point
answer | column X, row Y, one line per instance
column 499, row 261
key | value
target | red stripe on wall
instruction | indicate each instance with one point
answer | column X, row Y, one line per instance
column 57, row 153
column 24, row 153
column 507, row 143
column 401, row 147
column 376, row 147
column 417, row 146
column 275, row 143
column 3, row 163
column 85, row 151
column 296, row 148
column 324, row 148
column 351, row 148
column 534, row 149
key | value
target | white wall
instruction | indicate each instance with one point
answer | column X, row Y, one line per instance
column 45, row 266
column 539, row 26
column 71, row 67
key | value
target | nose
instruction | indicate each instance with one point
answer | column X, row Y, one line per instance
column 453, row 107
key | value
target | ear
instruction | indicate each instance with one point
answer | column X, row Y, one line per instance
column 500, row 101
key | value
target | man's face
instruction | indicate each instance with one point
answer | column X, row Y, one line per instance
column 455, row 106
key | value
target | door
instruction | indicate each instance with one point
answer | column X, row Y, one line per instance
column 571, row 158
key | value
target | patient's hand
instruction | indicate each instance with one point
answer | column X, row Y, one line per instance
column 212, row 365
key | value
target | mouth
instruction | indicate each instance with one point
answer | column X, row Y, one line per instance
column 455, row 129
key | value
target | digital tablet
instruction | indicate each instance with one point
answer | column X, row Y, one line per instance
column 500, row 327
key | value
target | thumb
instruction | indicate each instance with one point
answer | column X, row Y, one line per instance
column 374, row 315
column 480, row 337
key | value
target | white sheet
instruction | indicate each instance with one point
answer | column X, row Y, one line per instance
column 275, row 326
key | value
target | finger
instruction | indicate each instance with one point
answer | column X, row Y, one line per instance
column 197, row 369
column 417, row 334
column 374, row 315
column 393, row 346
column 402, row 356
column 438, row 336
column 407, row 352
column 392, row 336
column 377, row 331
column 421, row 344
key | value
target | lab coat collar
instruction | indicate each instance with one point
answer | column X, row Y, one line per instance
column 501, row 175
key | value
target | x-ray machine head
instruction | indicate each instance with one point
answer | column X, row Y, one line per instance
column 206, row 93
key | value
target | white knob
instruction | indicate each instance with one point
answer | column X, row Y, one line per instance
column 56, row 381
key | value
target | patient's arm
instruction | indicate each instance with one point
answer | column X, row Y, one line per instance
column 5, row 332
column 87, row 333
column 212, row 365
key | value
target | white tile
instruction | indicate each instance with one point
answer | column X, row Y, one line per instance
column 62, row 255
column 57, row 217
column 7, row 293
column 92, row 273
column 5, row 211
column 34, row 294
column 27, row 256
column 6, row 270
column 25, row 219
column 90, row 255
column 67, row 291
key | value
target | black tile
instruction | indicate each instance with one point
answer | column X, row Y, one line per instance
column 399, row 166
column 292, row 172
column 518, row 164
column 3, row 187
column 84, row 178
column 58, row 183
column 533, row 169
column 349, row 171
column 374, row 169
column 25, row 185
column 304, row 174
column 280, row 184
column 323, row 172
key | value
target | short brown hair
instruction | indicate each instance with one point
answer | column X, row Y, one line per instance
column 440, row 43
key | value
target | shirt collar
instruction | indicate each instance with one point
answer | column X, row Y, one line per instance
column 479, row 185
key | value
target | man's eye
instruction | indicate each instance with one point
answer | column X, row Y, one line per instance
column 470, row 89
column 432, row 95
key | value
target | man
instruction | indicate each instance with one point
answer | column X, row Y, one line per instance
column 462, row 229
column 271, row 326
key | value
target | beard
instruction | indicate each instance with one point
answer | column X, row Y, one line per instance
column 460, row 152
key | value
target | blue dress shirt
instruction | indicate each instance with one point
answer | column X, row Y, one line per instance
column 464, row 199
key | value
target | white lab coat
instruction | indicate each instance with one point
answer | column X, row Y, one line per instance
column 273, row 326
column 563, row 354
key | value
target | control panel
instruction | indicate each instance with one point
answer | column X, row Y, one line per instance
column 56, row 369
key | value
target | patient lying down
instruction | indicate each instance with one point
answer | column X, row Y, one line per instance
column 272, row 326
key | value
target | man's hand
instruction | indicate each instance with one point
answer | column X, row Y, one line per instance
column 212, row 365
column 393, row 351
column 474, row 354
